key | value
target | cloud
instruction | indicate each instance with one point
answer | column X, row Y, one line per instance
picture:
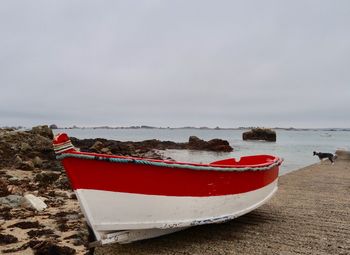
column 176, row 63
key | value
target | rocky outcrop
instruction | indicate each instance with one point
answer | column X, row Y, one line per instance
column 264, row 134
column 148, row 148
column 44, row 131
column 194, row 143
column 27, row 150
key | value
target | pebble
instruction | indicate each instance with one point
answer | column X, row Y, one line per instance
column 37, row 161
column 11, row 200
column 25, row 147
column 34, row 202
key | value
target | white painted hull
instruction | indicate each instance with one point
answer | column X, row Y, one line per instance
column 126, row 217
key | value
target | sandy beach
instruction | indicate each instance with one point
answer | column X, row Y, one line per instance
column 310, row 213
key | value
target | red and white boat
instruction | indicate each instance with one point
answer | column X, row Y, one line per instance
column 125, row 199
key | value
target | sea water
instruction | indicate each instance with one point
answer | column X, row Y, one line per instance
column 295, row 147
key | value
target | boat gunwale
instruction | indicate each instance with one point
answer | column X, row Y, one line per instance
column 273, row 162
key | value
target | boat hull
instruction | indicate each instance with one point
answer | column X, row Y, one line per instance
column 109, row 211
column 125, row 199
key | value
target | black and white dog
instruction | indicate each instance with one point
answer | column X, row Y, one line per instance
column 322, row 156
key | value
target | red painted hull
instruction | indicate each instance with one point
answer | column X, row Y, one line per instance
column 155, row 180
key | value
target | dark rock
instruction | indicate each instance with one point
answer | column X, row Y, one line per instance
column 47, row 248
column 31, row 244
column 8, row 129
column 37, row 161
column 55, row 202
column 26, row 165
column 62, row 225
column 7, row 239
column 14, row 180
column 19, row 149
column 44, row 131
column 66, row 216
column 143, row 149
column 46, row 178
column 219, row 145
column 97, row 146
column 78, row 238
column 53, row 126
column 100, row 145
column 63, row 183
column 26, row 225
column 3, row 189
column 260, row 134
column 5, row 212
column 18, row 160
column 44, row 248
column 53, row 165
column 40, row 232
column 195, row 143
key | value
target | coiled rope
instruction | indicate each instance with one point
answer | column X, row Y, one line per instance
column 276, row 162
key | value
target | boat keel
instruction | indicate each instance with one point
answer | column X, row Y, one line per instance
column 129, row 236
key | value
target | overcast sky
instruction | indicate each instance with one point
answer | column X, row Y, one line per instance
column 175, row 63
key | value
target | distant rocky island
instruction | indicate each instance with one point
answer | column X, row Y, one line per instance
column 54, row 126
column 265, row 134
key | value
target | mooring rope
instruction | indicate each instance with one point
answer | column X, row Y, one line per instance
column 276, row 162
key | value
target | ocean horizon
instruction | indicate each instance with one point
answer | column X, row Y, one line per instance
column 294, row 146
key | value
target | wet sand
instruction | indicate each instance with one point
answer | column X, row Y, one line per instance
column 310, row 214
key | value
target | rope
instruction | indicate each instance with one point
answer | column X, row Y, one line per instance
column 275, row 163
column 62, row 147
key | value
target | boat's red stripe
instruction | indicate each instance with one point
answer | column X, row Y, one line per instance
column 151, row 180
